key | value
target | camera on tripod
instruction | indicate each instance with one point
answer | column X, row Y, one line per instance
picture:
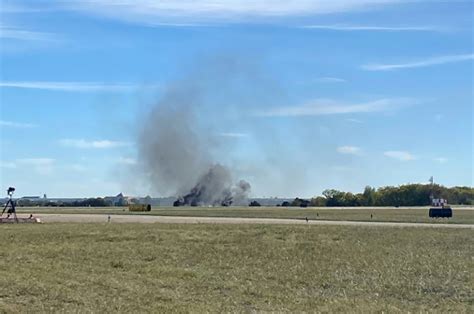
column 10, row 205
column 10, row 191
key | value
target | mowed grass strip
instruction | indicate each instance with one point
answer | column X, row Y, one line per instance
column 211, row 267
column 383, row 214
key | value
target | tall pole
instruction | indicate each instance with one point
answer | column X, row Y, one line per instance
column 432, row 188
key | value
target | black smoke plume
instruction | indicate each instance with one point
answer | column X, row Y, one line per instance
column 175, row 149
column 215, row 188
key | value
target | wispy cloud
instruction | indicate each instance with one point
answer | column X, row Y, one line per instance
column 43, row 166
column 420, row 63
column 159, row 12
column 24, row 34
column 36, row 6
column 99, row 144
column 76, row 167
column 441, row 160
column 320, row 107
column 350, row 150
column 126, row 161
column 378, row 28
column 7, row 164
column 76, row 86
column 330, row 80
column 400, row 155
column 354, row 120
column 236, row 135
column 11, row 124
column 36, row 161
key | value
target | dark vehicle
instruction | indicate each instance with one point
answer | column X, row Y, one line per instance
column 441, row 212
column 254, row 204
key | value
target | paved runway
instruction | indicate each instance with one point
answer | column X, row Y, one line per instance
column 99, row 218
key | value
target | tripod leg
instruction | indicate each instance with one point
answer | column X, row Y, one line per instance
column 6, row 206
column 14, row 210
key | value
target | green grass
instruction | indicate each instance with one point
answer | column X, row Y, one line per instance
column 216, row 268
column 389, row 214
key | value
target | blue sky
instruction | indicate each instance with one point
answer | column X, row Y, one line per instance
column 304, row 95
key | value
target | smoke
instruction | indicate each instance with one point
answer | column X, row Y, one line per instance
column 181, row 150
column 215, row 188
column 175, row 149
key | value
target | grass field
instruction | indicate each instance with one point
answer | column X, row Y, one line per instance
column 414, row 214
column 197, row 268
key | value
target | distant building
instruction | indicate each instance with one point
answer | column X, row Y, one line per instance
column 31, row 198
column 118, row 200
column 29, row 201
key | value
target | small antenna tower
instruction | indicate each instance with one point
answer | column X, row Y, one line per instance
column 432, row 189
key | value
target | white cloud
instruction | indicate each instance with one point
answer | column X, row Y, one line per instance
column 319, row 107
column 354, row 120
column 43, row 166
column 351, row 150
column 76, row 167
column 7, row 164
column 11, row 124
column 380, row 28
column 400, row 155
column 330, row 80
column 100, row 144
column 127, row 161
column 37, row 6
column 441, row 160
column 75, row 86
column 36, row 161
column 23, row 34
column 420, row 63
column 171, row 11
column 236, row 135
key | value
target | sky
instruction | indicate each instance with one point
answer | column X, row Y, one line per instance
column 302, row 95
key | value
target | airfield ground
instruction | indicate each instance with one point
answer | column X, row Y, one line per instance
column 362, row 266
column 461, row 215
column 117, row 218
column 104, row 267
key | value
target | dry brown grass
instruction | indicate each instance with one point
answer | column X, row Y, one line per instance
column 157, row 268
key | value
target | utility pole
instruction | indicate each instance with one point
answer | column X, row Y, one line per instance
column 432, row 188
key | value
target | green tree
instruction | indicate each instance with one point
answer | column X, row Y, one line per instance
column 368, row 197
column 319, row 201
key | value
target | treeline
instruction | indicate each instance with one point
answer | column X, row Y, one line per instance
column 89, row 202
column 404, row 195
